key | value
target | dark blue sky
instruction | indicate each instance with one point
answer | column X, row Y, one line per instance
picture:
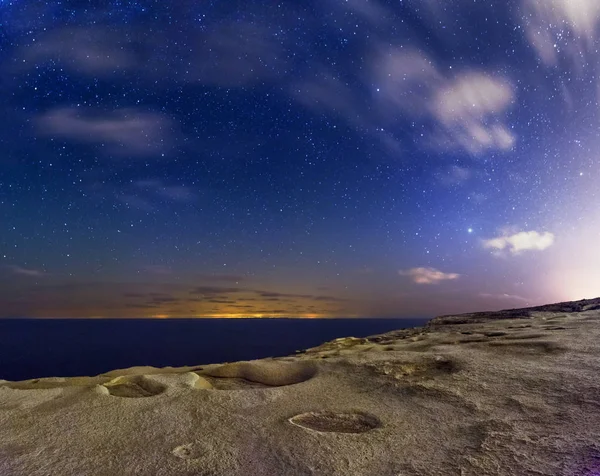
column 329, row 158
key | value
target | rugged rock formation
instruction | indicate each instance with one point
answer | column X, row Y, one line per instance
column 509, row 393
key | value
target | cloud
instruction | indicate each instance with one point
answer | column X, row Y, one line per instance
column 269, row 294
column 233, row 54
column 329, row 299
column 216, row 290
column 370, row 10
column 405, row 79
column 454, row 175
column 175, row 193
column 134, row 295
column 466, row 111
column 32, row 273
column 123, row 131
column 400, row 85
column 327, row 93
column 141, row 306
column 92, row 51
column 548, row 23
column 227, row 278
column 506, row 297
column 163, row 300
column 148, row 194
column 428, row 275
column 158, row 269
column 470, row 109
column 133, row 201
column 519, row 242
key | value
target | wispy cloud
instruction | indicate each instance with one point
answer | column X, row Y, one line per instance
column 216, row 290
column 112, row 299
column 428, row 275
column 464, row 111
column 158, row 269
column 93, row 51
column 506, row 297
column 519, row 242
column 548, row 22
column 406, row 79
column 30, row 272
column 370, row 10
column 176, row 193
column 149, row 194
column 226, row 54
column 470, row 109
column 467, row 110
column 327, row 93
column 123, row 131
column 454, row 175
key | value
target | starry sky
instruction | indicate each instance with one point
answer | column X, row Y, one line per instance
column 325, row 158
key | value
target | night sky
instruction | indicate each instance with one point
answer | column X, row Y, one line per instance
column 309, row 159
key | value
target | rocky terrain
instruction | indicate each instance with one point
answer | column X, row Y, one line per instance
column 506, row 393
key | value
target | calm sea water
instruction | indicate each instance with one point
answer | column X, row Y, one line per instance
column 45, row 348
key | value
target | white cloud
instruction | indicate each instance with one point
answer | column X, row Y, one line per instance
column 467, row 110
column 406, row 79
column 506, row 297
column 124, row 131
column 428, row 275
column 454, row 175
column 32, row 273
column 93, row 51
column 158, row 269
column 519, row 242
column 474, row 95
column 177, row 193
column 470, row 109
column 234, row 54
column 148, row 194
column 326, row 92
column 370, row 10
column 463, row 111
column 546, row 22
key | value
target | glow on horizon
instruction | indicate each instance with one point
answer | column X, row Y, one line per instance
column 244, row 316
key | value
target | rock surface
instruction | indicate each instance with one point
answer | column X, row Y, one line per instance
column 510, row 393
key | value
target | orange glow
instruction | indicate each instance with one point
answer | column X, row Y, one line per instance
column 183, row 307
column 263, row 316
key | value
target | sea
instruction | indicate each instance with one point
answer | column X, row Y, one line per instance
column 36, row 348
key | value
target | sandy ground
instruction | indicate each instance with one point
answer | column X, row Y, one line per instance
column 513, row 393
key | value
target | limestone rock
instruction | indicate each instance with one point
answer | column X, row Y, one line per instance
column 485, row 394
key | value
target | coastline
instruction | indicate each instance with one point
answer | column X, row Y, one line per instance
column 511, row 392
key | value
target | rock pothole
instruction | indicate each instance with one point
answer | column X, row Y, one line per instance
column 336, row 422
column 188, row 451
column 426, row 368
column 230, row 383
column 247, row 375
column 138, row 386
